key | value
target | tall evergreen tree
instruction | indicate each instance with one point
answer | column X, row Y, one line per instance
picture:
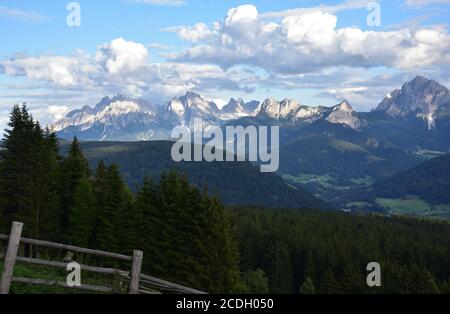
column 99, row 187
column 280, row 274
column 72, row 170
column 153, row 228
column 116, row 198
column 329, row 283
column 16, row 180
column 257, row 282
column 307, row 287
column 82, row 214
column 29, row 164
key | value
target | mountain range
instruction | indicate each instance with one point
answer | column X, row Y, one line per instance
column 128, row 119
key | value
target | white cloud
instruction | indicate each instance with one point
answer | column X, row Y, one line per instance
column 194, row 33
column 57, row 112
column 311, row 41
column 66, row 71
column 119, row 66
column 121, row 56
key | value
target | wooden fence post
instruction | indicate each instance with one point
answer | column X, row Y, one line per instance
column 135, row 274
column 10, row 257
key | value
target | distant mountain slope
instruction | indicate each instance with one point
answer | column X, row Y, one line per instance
column 234, row 182
column 429, row 181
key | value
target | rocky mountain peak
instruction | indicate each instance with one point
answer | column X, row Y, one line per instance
column 343, row 113
column 421, row 97
column 344, row 106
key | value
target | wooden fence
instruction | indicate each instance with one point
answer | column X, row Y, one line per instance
column 138, row 283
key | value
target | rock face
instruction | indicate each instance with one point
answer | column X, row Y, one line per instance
column 118, row 118
column 129, row 119
column 237, row 109
column 421, row 97
column 344, row 114
column 291, row 111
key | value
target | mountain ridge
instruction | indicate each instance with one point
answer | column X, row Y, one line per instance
column 125, row 118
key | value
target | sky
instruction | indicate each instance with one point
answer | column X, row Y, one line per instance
column 59, row 55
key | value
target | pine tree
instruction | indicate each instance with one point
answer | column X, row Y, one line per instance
column 73, row 168
column 130, row 219
column 154, row 238
column 329, row 284
column 16, row 180
column 99, row 187
column 257, row 282
column 82, row 214
column 42, row 221
column 221, row 248
column 307, row 287
column 109, row 235
column 29, row 167
column 280, row 274
column 351, row 281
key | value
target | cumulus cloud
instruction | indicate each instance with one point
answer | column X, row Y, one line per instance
column 121, row 55
column 309, row 42
column 199, row 31
column 65, row 71
column 120, row 66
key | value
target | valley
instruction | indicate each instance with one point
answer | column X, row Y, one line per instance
column 335, row 153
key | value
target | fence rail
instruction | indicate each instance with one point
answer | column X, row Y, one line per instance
column 138, row 283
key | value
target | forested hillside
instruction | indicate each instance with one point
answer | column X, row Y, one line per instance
column 236, row 183
column 189, row 237
column 316, row 252
column 430, row 181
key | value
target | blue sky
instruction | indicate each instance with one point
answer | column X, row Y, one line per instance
column 318, row 52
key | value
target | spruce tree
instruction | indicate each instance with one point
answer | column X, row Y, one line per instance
column 73, row 168
column 221, row 248
column 115, row 200
column 329, row 284
column 307, row 287
column 257, row 282
column 153, row 228
column 82, row 214
column 16, row 162
column 280, row 266
column 51, row 212
column 99, row 187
